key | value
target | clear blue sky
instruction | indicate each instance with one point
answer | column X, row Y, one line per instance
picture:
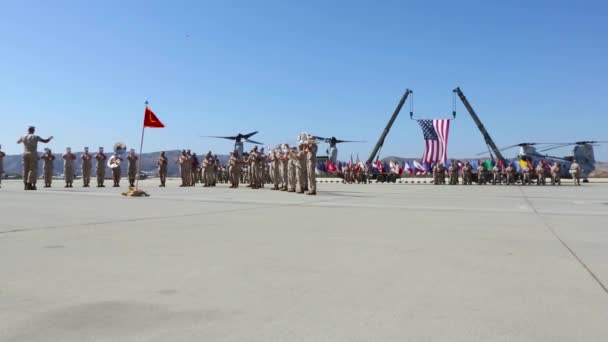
column 533, row 70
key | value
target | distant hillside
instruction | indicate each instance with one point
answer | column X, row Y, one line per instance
column 12, row 164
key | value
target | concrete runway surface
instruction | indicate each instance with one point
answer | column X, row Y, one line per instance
column 378, row 262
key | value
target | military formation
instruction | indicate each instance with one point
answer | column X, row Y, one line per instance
column 285, row 168
column 503, row 175
column 290, row 169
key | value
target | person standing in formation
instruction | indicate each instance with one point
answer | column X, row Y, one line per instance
column 482, row 173
column 48, row 160
column 526, row 175
column 68, row 167
column 510, row 173
column 209, row 166
column 2, row 155
column 194, row 169
column 253, row 168
column 163, row 163
column 556, row 176
column 87, row 166
column 30, row 157
column 132, row 167
column 234, row 169
column 467, row 174
column 540, row 173
column 291, row 169
column 453, row 173
column 575, row 171
column 301, row 169
column 311, row 165
column 275, row 159
column 261, row 171
column 100, row 159
column 114, row 164
column 496, row 172
column 284, row 157
column 185, row 164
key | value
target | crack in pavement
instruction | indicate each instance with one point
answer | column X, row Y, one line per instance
column 572, row 252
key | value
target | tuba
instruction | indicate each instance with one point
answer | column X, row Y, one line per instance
column 120, row 149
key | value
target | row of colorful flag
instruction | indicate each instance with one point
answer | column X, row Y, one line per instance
column 415, row 167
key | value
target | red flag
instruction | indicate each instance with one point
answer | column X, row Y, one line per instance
column 150, row 120
column 331, row 167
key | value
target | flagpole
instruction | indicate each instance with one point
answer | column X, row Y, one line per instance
column 141, row 146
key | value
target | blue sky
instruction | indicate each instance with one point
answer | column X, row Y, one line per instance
column 533, row 70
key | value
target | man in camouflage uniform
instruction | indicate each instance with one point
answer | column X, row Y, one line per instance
column 284, row 158
column 163, row 164
column 2, row 155
column 467, row 174
column 453, row 173
column 496, row 174
column 185, row 164
column 526, row 177
column 482, row 174
column 275, row 159
column 510, row 174
column 30, row 157
column 100, row 159
column 291, row 169
column 47, row 167
column 540, row 173
column 253, row 167
column 132, row 167
column 262, row 174
column 68, row 167
column 234, row 169
column 575, row 171
column 556, row 176
column 87, row 166
column 194, row 170
column 441, row 173
column 209, row 167
column 115, row 165
column 303, row 172
column 311, row 165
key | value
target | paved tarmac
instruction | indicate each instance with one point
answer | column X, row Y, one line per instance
column 378, row 262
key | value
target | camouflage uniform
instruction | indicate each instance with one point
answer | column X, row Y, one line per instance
column 30, row 157
column 163, row 164
column 68, row 168
column 47, row 166
column 575, row 171
column 100, row 158
column 87, row 166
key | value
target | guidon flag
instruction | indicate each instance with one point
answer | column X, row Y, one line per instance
column 150, row 119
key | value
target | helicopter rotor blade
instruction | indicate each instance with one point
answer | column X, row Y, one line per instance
column 249, row 135
column 213, row 136
column 556, row 147
column 350, row 141
column 327, row 140
column 253, row 142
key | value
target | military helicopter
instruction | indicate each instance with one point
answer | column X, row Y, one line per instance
column 332, row 150
column 582, row 153
column 238, row 140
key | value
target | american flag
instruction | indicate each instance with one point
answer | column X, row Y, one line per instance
column 435, row 140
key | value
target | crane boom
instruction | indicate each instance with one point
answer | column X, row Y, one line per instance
column 482, row 129
column 388, row 127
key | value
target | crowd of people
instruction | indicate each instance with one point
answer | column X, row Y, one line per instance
column 290, row 169
column 503, row 175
